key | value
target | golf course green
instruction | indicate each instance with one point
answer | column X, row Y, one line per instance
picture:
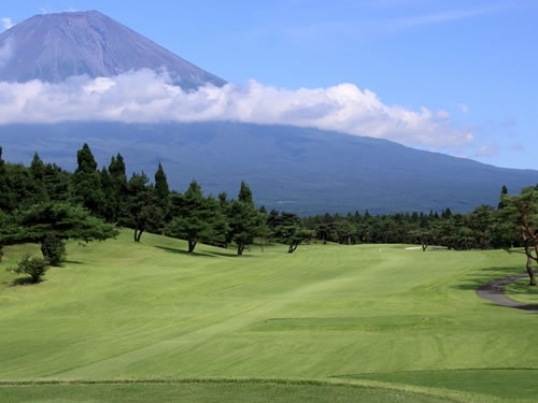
column 147, row 322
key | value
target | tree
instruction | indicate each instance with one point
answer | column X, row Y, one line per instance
column 142, row 211
column 162, row 190
column 194, row 217
column 246, row 223
column 297, row 236
column 520, row 218
column 119, row 194
column 35, row 267
column 59, row 219
column 53, row 249
column 7, row 201
column 56, row 182
column 481, row 221
column 86, row 181
column 37, row 173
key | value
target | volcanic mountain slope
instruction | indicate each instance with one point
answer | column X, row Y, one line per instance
column 307, row 171
column 54, row 47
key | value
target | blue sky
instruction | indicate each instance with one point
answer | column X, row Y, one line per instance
column 462, row 73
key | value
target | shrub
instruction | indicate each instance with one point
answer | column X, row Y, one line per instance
column 35, row 267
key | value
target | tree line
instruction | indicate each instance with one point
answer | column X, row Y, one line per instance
column 44, row 203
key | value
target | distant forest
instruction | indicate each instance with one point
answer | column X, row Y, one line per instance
column 35, row 199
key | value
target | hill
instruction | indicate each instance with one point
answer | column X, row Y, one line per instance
column 54, row 47
column 149, row 313
column 307, row 171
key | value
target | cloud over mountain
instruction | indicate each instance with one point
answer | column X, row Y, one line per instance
column 147, row 96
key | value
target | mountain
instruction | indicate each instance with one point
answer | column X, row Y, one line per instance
column 54, row 47
column 307, row 171
column 300, row 170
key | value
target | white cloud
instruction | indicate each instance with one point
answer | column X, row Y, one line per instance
column 145, row 96
column 6, row 23
column 464, row 108
column 487, row 150
column 6, row 51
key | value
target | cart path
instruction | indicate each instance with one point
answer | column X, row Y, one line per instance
column 494, row 292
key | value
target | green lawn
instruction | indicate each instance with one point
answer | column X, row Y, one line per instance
column 402, row 320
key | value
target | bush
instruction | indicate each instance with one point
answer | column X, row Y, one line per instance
column 35, row 267
column 53, row 249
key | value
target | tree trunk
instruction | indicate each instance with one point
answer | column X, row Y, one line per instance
column 532, row 279
column 138, row 234
column 192, row 245
column 424, row 246
column 240, row 249
column 292, row 247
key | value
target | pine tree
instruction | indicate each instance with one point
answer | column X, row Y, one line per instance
column 162, row 191
column 7, row 199
column 118, row 176
column 246, row 223
column 86, row 181
column 195, row 217
column 37, row 172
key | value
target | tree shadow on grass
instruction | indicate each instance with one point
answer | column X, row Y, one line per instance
column 23, row 281
column 214, row 254
column 486, row 275
column 71, row 262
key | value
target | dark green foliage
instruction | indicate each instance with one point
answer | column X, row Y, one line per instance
column 7, row 200
column 195, row 218
column 53, row 249
column 519, row 218
column 107, row 211
column 37, row 174
column 60, row 220
column 35, row 267
column 20, row 184
column 162, row 191
column 63, row 220
column 115, row 188
column 504, row 192
column 246, row 223
column 286, row 228
column 86, row 182
column 142, row 212
column 56, row 182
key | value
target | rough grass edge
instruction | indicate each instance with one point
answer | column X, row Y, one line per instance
column 448, row 395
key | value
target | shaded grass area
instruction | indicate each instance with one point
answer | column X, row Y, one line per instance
column 521, row 291
column 508, row 384
column 344, row 323
column 209, row 391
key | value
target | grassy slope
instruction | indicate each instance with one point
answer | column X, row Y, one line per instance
column 123, row 310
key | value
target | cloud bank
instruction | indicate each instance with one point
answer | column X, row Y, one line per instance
column 146, row 97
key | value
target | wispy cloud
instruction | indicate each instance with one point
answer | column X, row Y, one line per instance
column 487, row 150
column 364, row 20
column 145, row 96
column 439, row 17
column 6, row 52
column 6, row 23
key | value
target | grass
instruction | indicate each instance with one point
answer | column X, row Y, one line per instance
column 407, row 322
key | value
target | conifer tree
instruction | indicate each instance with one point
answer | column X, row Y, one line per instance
column 246, row 223
column 86, row 181
column 195, row 217
column 162, row 191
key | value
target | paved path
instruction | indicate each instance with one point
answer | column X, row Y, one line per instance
column 494, row 292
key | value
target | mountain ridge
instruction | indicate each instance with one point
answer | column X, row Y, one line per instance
column 302, row 170
column 54, row 47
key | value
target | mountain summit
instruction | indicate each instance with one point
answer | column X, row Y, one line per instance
column 54, row 47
